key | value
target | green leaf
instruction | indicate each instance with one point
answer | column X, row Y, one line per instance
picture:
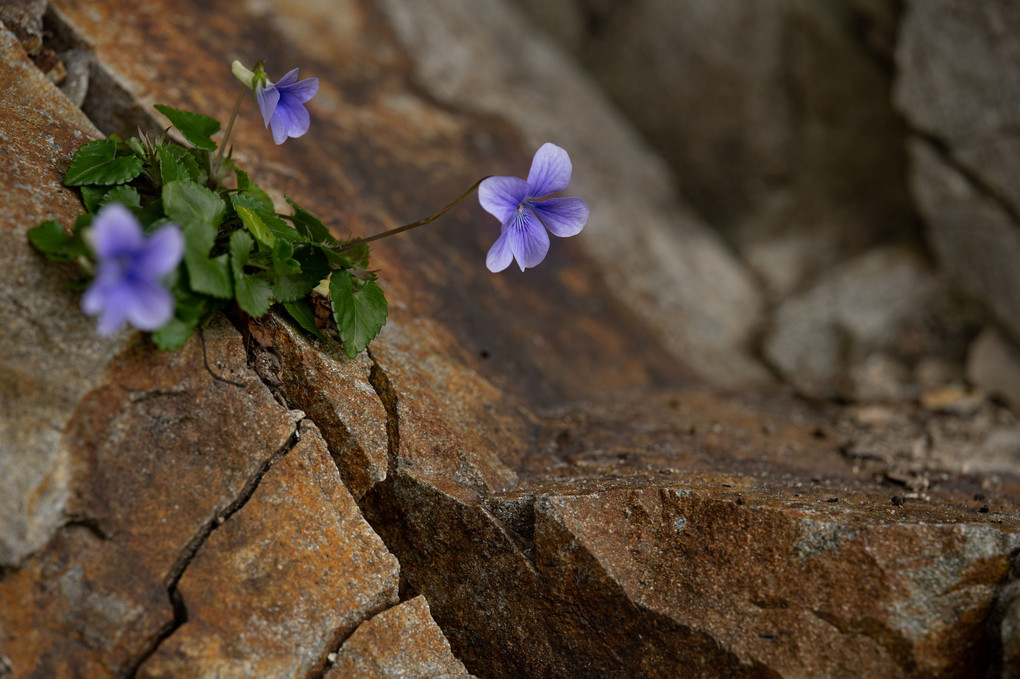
column 359, row 314
column 151, row 213
column 125, row 195
column 301, row 312
column 97, row 162
column 262, row 221
column 198, row 211
column 174, row 334
column 253, row 294
column 92, row 195
column 250, row 217
column 249, row 188
column 50, row 239
column 190, row 204
column 196, row 128
column 209, row 275
column 171, row 167
column 136, row 146
column 284, row 263
column 310, row 225
column 314, row 267
column 198, row 164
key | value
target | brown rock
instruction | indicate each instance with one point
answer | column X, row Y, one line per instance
column 403, row 641
column 337, row 394
column 678, row 533
column 658, row 255
column 277, row 586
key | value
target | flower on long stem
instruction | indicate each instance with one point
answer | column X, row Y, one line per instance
column 525, row 213
column 282, row 104
column 127, row 285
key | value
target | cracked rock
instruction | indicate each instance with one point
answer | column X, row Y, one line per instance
column 276, row 586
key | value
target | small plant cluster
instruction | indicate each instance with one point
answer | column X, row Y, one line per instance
column 173, row 233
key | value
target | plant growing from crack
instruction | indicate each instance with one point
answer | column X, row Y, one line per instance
column 173, row 233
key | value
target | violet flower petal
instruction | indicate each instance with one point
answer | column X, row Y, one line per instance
column 302, row 91
column 499, row 256
column 562, row 216
column 292, row 117
column 288, row 79
column 150, row 305
column 501, row 196
column 162, row 252
column 111, row 303
column 550, row 171
column 128, row 266
column 528, row 239
column 115, row 230
column 267, row 98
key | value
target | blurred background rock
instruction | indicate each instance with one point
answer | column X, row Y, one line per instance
column 814, row 137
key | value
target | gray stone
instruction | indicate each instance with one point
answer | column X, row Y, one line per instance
column 775, row 116
column 856, row 310
column 958, row 84
column 993, row 365
column 973, row 234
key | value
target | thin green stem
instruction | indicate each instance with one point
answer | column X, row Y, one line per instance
column 413, row 225
column 226, row 135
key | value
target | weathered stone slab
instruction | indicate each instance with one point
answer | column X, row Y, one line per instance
column 403, row 641
column 49, row 359
column 275, row 588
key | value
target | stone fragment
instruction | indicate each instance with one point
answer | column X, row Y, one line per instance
column 403, row 641
column 275, row 587
column 336, row 393
column 24, row 18
column 50, row 358
column 856, row 310
column 993, row 365
column 772, row 528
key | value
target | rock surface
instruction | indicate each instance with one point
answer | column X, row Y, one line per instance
column 855, row 312
column 393, row 642
column 554, row 494
column 956, row 85
column 40, row 131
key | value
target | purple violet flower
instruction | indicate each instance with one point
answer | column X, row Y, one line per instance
column 525, row 215
column 127, row 286
column 283, row 104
